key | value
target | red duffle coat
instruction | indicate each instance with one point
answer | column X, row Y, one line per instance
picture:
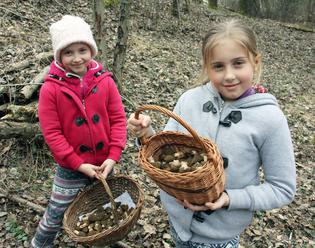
column 82, row 119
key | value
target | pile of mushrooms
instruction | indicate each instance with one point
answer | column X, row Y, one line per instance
column 101, row 219
column 180, row 161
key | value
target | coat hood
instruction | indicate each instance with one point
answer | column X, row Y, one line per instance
column 255, row 100
column 80, row 85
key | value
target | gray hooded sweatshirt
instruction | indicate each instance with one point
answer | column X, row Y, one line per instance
column 250, row 133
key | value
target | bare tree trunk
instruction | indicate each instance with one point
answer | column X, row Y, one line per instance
column 98, row 15
column 175, row 10
column 154, row 14
column 187, row 5
column 121, row 45
column 213, row 4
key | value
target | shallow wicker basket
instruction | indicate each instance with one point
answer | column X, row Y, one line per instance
column 204, row 184
column 96, row 195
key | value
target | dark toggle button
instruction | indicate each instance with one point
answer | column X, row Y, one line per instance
column 225, row 123
column 197, row 217
column 79, row 121
column 84, row 148
column 235, row 116
column 208, row 212
column 99, row 145
column 225, row 162
column 95, row 118
column 94, row 90
column 207, row 107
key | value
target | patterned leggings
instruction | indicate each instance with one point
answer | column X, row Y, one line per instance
column 233, row 243
column 66, row 186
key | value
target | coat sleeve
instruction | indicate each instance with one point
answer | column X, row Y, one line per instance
column 118, row 123
column 52, row 131
column 279, row 186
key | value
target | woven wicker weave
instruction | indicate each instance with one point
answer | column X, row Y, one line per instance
column 96, row 196
column 199, row 186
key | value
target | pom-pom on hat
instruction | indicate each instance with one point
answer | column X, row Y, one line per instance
column 68, row 30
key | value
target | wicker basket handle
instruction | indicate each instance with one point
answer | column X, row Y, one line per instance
column 174, row 116
column 111, row 198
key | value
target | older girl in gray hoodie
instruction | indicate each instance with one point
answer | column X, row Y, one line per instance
column 250, row 131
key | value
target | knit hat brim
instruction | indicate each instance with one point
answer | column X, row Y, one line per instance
column 69, row 30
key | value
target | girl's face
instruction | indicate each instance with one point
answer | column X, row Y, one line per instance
column 76, row 57
column 231, row 70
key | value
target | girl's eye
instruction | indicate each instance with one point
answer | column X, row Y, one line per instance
column 217, row 67
column 83, row 50
column 239, row 62
column 67, row 53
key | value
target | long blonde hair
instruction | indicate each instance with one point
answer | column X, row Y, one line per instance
column 235, row 30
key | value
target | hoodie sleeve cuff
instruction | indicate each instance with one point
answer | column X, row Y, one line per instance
column 239, row 199
column 115, row 153
column 73, row 161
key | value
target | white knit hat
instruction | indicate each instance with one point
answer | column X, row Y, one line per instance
column 68, row 30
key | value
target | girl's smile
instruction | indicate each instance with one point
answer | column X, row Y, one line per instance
column 231, row 69
column 76, row 57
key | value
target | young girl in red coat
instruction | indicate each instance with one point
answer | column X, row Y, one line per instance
column 82, row 119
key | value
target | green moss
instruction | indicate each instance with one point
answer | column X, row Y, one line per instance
column 111, row 3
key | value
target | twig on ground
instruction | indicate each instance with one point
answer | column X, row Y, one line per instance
column 22, row 201
column 14, row 13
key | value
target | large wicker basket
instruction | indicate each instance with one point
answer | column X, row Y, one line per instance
column 96, row 195
column 204, row 184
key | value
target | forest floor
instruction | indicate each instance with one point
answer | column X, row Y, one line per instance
column 163, row 60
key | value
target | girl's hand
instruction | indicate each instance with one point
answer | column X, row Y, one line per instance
column 89, row 169
column 141, row 127
column 107, row 167
column 223, row 201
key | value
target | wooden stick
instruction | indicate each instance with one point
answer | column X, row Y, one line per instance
column 14, row 13
column 11, row 129
column 21, row 113
column 41, row 57
column 22, row 201
column 18, row 66
column 28, row 90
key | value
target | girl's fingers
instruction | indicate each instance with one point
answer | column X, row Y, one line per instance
column 187, row 204
column 146, row 122
column 143, row 121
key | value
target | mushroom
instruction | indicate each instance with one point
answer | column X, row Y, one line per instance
column 179, row 155
column 174, row 165
column 168, row 158
column 184, row 167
